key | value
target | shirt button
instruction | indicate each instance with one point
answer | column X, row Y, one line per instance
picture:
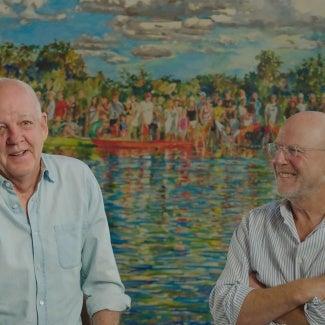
column 8, row 185
column 39, row 267
column 41, row 302
column 299, row 260
column 35, row 233
column 15, row 206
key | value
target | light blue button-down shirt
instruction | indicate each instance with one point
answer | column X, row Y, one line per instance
column 267, row 242
column 62, row 250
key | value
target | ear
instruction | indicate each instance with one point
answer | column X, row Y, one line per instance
column 44, row 126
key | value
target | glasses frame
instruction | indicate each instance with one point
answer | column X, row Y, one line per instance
column 291, row 150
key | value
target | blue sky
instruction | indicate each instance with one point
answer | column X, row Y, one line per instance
column 177, row 38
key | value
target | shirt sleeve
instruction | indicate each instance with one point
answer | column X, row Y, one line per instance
column 100, row 279
column 315, row 311
column 232, row 287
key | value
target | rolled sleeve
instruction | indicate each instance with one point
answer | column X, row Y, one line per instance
column 226, row 301
column 100, row 278
column 315, row 311
column 232, row 287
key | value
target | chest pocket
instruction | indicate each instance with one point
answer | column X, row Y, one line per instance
column 69, row 244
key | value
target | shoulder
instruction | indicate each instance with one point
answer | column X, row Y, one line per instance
column 265, row 214
column 59, row 165
column 61, row 159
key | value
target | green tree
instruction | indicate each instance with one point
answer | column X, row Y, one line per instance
column 7, row 52
column 268, row 67
column 310, row 75
column 61, row 56
column 268, row 72
column 136, row 83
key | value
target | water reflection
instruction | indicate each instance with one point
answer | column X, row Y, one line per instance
column 171, row 216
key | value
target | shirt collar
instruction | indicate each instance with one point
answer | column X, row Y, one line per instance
column 45, row 174
column 286, row 213
column 45, row 171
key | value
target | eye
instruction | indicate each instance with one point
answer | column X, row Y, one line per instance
column 2, row 128
column 26, row 123
column 299, row 150
column 293, row 150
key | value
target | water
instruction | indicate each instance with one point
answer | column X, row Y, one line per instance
column 171, row 217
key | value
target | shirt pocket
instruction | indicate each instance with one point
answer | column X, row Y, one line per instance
column 69, row 241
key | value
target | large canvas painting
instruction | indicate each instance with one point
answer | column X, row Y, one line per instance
column 170, row 103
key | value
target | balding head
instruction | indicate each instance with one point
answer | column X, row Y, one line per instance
column 306, row 129
column 7, row 84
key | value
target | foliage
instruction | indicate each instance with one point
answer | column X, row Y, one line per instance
column 310, row 75
column 18, row 61
column 60, row 56
column 57, row 66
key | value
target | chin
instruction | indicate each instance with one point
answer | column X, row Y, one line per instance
column 290, row 195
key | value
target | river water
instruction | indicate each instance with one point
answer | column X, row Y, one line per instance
column 171, row 216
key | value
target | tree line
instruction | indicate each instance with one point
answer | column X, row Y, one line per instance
column 59, row 66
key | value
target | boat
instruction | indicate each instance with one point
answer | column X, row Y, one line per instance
column 152, row 145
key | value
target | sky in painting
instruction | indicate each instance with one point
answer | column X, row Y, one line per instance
column 180, row 39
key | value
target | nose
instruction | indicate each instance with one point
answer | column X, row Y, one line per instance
column 280, row 156
column 14, row 136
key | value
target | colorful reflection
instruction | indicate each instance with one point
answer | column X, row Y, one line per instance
column 171, row 216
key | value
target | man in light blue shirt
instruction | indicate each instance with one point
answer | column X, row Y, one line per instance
column 275, row 270
column 55, row 245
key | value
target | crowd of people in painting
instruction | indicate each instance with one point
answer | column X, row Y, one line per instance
column 226, row 118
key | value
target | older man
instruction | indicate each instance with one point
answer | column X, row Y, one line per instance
column 54, row 244
column 275, row 271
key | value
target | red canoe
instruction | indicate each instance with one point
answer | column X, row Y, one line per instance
column 142, row 145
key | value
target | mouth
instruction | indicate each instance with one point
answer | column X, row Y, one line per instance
column 283, row 174
column 18, row 154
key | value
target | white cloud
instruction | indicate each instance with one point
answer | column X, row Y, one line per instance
column 310, row 7
column 221, row 19
column 148, row 52
column 93, row 46
column 26, row 10
column 5, row 10
column 295, row 42
column 190, row 29
column 89, row 42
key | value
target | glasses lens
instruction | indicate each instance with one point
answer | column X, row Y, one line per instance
column 293, row 151
column 289, row 151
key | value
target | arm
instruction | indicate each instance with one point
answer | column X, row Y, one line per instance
column 233, row 300
column 282, row 303
column 294, row 317
column 101, row 281
column 106, row 317
column 102, row 317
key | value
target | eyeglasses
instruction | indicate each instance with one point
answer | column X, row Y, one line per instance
column 291, row 151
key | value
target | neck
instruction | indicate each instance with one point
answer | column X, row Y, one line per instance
column 307, row 217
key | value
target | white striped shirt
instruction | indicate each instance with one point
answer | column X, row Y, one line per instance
column 267, row 242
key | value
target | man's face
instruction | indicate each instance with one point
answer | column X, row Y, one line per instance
column 22, row 134
column 303, row 175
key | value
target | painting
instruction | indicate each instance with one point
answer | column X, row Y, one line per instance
column 170, row 103
column 239, row 69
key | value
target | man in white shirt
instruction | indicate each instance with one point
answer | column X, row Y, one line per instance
column 275, row 270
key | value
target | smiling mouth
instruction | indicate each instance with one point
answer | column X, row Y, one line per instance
column 286, row 174
column 17, row 154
